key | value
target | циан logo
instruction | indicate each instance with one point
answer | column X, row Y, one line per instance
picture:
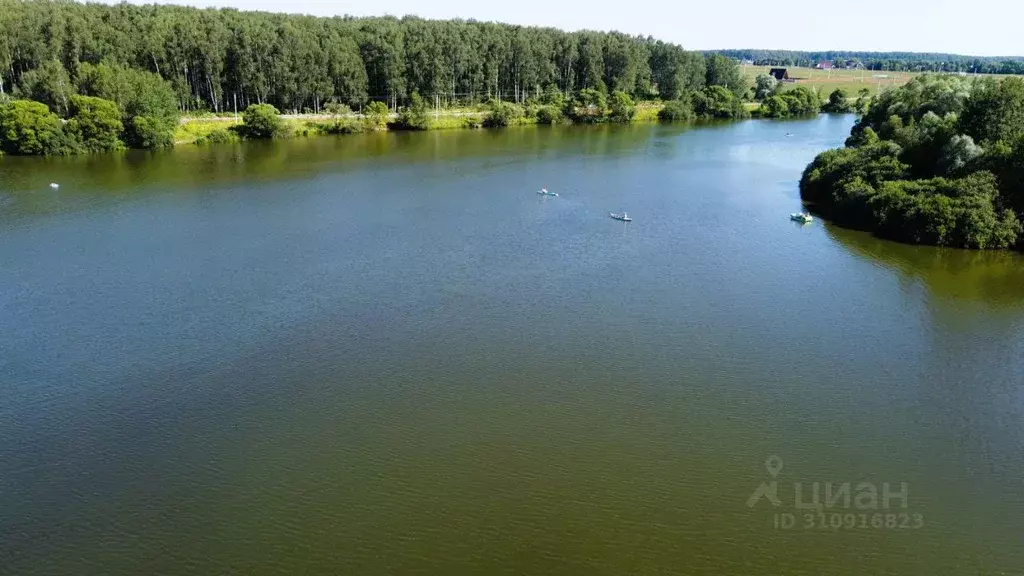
column 852, row 504
column 769, row 490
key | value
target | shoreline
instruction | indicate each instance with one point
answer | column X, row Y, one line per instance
column 194, row 130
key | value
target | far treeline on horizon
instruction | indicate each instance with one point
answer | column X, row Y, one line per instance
column 881, row 61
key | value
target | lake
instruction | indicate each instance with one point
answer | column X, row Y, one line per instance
column 386, row 354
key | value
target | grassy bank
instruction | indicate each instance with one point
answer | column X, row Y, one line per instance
column 647, row 111
column 208, row 128
column 201, row 130
column 190, row 130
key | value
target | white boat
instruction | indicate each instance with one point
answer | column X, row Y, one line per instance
column 544, row 192
column 802, row 217
column 54, row 185
column 624, row 217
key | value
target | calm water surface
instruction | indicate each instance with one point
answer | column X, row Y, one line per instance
column 385, row 354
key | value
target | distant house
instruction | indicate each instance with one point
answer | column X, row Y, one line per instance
column 780, row 74
column 826, row 65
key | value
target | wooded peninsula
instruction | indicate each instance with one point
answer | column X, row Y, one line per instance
column 938, row 161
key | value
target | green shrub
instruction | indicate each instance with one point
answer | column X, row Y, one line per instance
column 219, row 136
column 824, row 181
column 148, row 103
column 863, row 102
column 765, row 85
column 773, row 107
column 549, row 114
column 803, row 101
column 553, row 97
column 941, row 212
column 717, row 102
column 262, row 121
column 938, row 94
column 1006, row 161
column 94, row 124
column 304, row 129
column 676, row 111
column 622, row 107
column 800, row 101
column 149, row 132
column 414, row 116
column 337, row 109
column 995, row 111
column 343, row 126
column 587, row 107
column 502, row 114
column 375, row 116
column 837, row 103
column 29, row 128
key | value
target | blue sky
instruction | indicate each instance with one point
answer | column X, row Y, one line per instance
column 975, row 27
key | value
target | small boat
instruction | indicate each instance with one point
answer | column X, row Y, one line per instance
column 802, row 217
column 544, row 192
column 54, row 185
column 624, row 217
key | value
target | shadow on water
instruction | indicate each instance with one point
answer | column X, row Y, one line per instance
column 992, row 278
column 84, row 179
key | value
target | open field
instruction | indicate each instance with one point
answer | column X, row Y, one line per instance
column 827, row 81
column 850, row 80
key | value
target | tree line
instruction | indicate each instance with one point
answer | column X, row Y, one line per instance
column 223, row 59
column 155, row 62
column 938, row 161
column 888, row 61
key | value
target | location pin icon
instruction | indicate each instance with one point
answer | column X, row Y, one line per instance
column 774, row 465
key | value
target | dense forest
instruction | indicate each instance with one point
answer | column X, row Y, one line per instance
column 938, row 161
column 892, row 61
column 217, row 59
column 90, row 77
